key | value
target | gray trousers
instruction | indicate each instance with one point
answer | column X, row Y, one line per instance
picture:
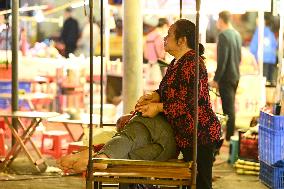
column 134, row 142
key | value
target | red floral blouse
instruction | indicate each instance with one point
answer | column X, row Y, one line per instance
column 176, row 91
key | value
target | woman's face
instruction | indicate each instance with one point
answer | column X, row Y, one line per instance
column 170, row 42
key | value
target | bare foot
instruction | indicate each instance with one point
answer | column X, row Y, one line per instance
column 100, row 165
column 77, row 163
column 67, row 162
column 81, row 164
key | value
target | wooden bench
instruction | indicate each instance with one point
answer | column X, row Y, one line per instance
column 142, row 172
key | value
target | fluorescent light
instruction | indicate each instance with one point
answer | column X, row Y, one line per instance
column 79, row 4
column 39, row 17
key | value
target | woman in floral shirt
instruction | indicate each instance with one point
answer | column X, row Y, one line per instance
column 175, row 99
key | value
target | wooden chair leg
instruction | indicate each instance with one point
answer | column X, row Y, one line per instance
column 97, row 185
column 123, row 186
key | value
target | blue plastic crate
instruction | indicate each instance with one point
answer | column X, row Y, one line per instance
column 270, row 145
column 6, row 86
column 271, row 121
column 4, row 103
column 272, row 176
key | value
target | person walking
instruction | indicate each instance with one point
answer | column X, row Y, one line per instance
column 269, row 51
column 70, row 32
column 227, row 74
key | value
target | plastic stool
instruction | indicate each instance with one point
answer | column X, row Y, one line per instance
column 2, row 124
column 75, row 147
column 57, row 138
column 2, row 143
column 7, row 132
column 234, row 149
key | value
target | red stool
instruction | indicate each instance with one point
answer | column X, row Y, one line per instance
column 75, row 147
column 2, row 143
column 2, row 124
column 57, row 138
column 7, row 132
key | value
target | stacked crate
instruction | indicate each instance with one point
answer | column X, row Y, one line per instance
column 271, row 150
column 6, row 88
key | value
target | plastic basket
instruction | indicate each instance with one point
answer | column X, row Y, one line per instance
column 270, row 145
column 272, row 176
column 248, row 147
column 271, row 121
column 6, row 86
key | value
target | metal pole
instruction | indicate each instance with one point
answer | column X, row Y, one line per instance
column 89, row 183
column 260, row 41
column 15, row 47
column 180, row 9
column 196, row 93
column 102, row 63
column 280, row 59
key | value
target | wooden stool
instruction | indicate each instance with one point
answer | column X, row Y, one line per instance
column 2, row 143
column 57, row 138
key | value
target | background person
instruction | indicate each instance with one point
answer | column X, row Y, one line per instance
column 84, row 41
column 70, row 32
column 153, row 50
column 269, row 50
column 227, row 74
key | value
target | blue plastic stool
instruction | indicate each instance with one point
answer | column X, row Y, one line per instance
column 234, row 149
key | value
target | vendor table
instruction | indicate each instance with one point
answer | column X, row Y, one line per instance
column 28, row 129
column 67, row 123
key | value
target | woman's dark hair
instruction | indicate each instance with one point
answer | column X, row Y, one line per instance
column 185, row 28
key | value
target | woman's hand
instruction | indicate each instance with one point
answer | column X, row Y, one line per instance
column 214, row 84
column 150, row 109
column 148, row 98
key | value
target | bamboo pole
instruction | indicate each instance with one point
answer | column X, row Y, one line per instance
column 102, row 63
column 15, row 48
column 180, row 9
column 196, row 91
column 279, row 93
column 260, row 40
column 89, row 183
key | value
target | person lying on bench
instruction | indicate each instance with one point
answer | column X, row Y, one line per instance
column 140, row 139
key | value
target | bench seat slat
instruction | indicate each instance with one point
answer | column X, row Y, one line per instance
column 140, row 171
column 142, row 162
column 168, row 182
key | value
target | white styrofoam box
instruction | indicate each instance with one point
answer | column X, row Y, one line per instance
column 100, row 135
